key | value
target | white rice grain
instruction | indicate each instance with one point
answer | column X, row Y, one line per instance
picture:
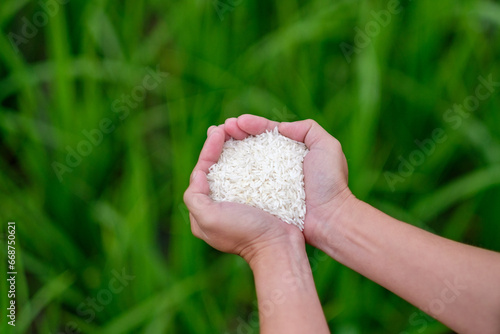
column 264, row 171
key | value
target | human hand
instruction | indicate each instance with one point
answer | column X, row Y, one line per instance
column 231, row 227
column 325, row 169
column 325, row 178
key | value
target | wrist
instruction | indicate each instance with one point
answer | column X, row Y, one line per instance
column 330, row 229
column 262, row 254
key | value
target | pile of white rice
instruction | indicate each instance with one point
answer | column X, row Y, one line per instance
column 264, row 171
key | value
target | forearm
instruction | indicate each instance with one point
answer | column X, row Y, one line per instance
column 455, row 283
column 287, row 298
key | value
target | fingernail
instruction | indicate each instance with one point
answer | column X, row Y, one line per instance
column 211, row 130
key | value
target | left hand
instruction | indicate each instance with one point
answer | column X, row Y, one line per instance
column 231, row 227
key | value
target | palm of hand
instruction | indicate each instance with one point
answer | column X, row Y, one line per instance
column 242, row 229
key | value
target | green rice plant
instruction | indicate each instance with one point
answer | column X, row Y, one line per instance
column 378, row 82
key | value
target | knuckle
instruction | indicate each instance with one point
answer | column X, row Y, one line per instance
column 311, row 123
column 195, row 231
column 186, row 197
column 336, row 144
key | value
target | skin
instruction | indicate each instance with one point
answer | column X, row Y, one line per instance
column 455, row 283
column 274, row 250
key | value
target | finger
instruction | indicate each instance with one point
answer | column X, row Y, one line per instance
column 213, row 127
column 196, row 195
column 210, row 129
column 227, row 136
column 255, row 125
column 211, row 150
column 308, row 132
column 232, row 128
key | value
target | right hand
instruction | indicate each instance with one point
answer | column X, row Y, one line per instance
column 325, row 170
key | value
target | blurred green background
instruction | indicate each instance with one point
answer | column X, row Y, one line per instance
column 97, row 144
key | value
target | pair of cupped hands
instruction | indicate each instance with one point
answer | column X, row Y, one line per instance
column 247, row 231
